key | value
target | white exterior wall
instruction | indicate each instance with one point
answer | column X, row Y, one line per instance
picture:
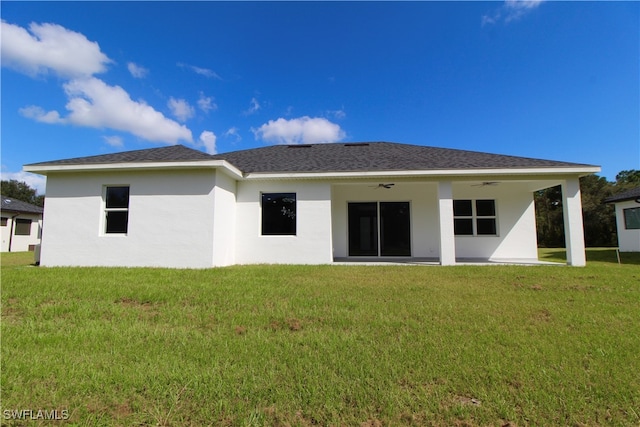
column 628, row 240
column 516, row 223
column 20, row 243
column 425, row 237
column 516, row 237
column 224, row 221
column 312, row 242
column 170, row 220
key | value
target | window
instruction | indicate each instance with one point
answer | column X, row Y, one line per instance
column 23, row 227
column 474, row 218
column 632, row 218
column 116, row 210
column 4, row 222
column 278, row 214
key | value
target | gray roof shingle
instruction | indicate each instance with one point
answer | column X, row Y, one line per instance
column 173, row 153
column 372, row 156
column 14, row 205
column 336, row 157
column 632, row 194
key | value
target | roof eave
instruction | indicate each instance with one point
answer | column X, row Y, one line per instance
column 578, row 171
column 138, row 166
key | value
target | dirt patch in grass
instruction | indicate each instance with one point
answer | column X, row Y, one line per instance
column 147, row 309
column 541, row 316
column 129, row 302
column 293, row 325
column 10, row 313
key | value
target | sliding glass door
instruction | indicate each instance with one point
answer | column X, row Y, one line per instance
column 379, row 229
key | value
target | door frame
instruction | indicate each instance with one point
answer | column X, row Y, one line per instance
column 378, row 231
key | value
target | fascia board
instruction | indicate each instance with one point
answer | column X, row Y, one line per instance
column 556, row 171
column 105, row 167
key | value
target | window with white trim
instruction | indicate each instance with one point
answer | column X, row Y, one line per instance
column 116, row 210
column 475, row 217
column 278, row 214
column 631, row 218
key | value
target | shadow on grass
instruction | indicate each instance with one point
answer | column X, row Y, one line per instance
column 605, row 255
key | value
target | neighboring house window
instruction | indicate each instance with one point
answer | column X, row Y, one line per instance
column 474, row 218
column 632, row 218
column 23, row 227
column 278, row 214
column 4, row 222
column 116, row 210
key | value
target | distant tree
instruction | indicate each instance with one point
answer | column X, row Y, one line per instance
column 21, row 191
column 630, row 176
column 599, row 217
column 549, row 220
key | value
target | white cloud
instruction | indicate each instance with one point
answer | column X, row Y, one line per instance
column 93, row 103
column 137, row 71
column 518, row 8
column 208, row 139
column 233, row 133
column 181, row 109
column 50, row 47
column 38, row 114
column 114, row 141
column 37, row 182
column 510, row 11
column 255, row 106
column 302, row 130
column 206, row 103
column 338, row 114
column 201, row 71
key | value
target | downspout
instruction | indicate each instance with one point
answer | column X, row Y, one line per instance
column 13, row 225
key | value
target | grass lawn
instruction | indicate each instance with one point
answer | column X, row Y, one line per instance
column 324, row 345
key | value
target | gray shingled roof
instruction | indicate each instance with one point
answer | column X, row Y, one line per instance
column 632, row 194
column 336, row 157
column 13, row 205
column 372, row 156
column 173, row 153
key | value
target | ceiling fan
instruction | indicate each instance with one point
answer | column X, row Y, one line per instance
column 485, row 184
column 387, row 186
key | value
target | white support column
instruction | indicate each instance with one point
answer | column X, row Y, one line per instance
column 445, row 219
column 573, row 225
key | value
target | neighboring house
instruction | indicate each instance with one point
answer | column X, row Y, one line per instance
column 21, row 225
column 301, row 204
column 627, row 206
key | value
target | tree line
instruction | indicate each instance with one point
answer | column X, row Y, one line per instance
column 599, row 217
column 21, row 191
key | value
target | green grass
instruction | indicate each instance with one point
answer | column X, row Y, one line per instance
column 325, row 345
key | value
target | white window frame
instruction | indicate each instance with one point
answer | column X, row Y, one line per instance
column 474, row 217
column 626, row 218
column 106, row 210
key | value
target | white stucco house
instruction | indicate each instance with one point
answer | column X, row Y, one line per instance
column 21, row 225
column 627, row 205
column 301, row 204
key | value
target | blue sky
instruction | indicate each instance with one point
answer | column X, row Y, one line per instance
column 552, row 80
